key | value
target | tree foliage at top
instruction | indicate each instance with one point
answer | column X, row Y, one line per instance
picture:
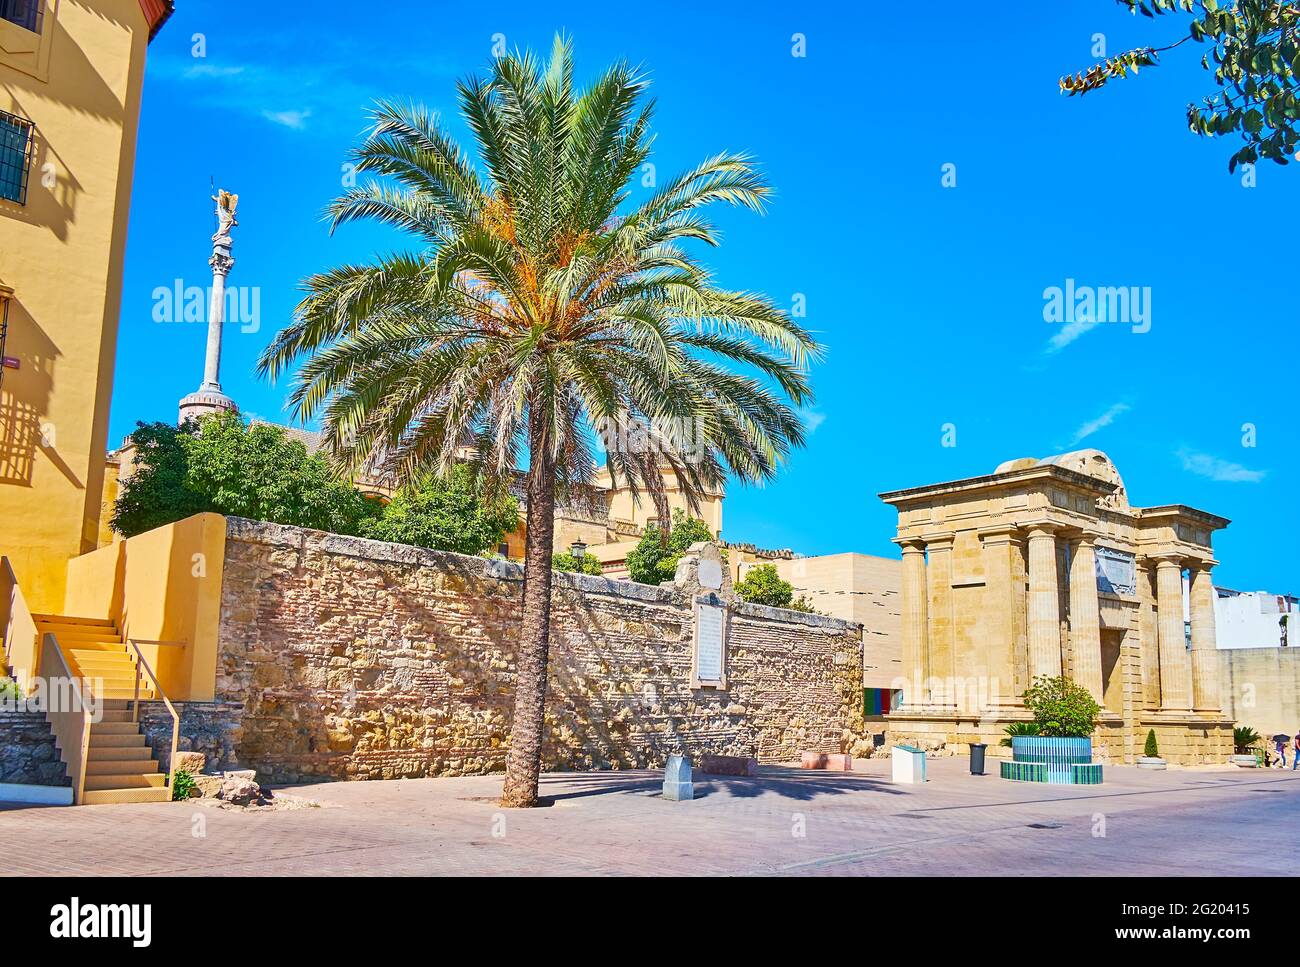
column 654, row 560
column 447, row 514
column 222, row 465
column 1061, row 708
column 1254, row 54
column 763, row 585
column 586, row 564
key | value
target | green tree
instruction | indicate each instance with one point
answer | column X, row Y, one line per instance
column 447, row 514
column 654, row 559
column 762, row 585
column 1254, row 55
column 221, row 464
column 539, row 301
column 1062, row 708
column 586, row 564
column 1152, row 749
column 158, row 491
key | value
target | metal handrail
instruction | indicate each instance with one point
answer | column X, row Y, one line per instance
column 135, row 715
column 75, row 747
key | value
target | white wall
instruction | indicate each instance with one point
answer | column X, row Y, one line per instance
column 1250, row 619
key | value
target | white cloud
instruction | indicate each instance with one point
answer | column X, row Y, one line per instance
column 1069, row 333
column 212, row 70
column 814, row 420
column 1207, row 465
column 1105, row 420
column 289, row 119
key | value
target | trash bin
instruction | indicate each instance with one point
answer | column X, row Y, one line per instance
column 977, row 758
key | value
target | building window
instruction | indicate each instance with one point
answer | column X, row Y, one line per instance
column 15, row 156
column 24, row 13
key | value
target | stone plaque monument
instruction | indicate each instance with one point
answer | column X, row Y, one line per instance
column 710, row 644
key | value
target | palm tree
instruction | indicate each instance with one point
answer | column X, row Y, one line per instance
column 539, row 307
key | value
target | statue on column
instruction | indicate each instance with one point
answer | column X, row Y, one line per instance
column 226, row 205
column 209, row 398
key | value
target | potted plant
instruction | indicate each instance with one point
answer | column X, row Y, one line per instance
column 1150, row 758
column 1246, row 746
column 1065, row 715
column 1018, row 728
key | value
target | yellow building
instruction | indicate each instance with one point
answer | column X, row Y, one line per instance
column 70, row 83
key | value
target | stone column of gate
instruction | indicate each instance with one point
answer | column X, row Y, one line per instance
column 1175, row 668
column 1085, row 615
column 916, row 624
column 1205, row 648
column 1044, row 603
column 1148, row 633
column 942, row 640
column 1003, row 613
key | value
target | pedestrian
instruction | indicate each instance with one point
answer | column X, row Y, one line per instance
column 1295, row 750
column 1279, row 741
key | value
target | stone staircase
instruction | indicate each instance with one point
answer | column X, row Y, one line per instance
column 120, row 766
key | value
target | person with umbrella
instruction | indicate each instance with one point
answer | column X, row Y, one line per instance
column 1279, row 741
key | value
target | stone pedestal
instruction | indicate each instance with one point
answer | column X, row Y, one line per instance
column 678, row 785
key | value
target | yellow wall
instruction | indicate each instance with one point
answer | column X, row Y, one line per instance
column 637, row 511
column 79, row 83
column 163, row 585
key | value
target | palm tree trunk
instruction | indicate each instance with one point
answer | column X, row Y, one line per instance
column 524, row 761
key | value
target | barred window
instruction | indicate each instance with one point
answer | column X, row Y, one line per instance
column 15, row 156
column 24, row 13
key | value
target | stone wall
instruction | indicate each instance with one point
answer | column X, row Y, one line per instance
column 346, row 658
column 28, row 754
column 1260, row 688
column 213, row 728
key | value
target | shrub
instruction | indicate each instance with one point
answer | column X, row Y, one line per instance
column 1061, row 708
column 652, row 563
column 223, row 465
column 10, row 691
column 1018, row 729
column 1152, row 751
column 577, row 565
column 445, row 514
column 183, row 785
column 762, row 585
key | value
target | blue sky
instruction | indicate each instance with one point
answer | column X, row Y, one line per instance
column 930, row 300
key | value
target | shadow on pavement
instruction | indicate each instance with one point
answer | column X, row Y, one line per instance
column 797, row 784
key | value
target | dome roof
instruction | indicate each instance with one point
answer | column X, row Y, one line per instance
column 1097, row 465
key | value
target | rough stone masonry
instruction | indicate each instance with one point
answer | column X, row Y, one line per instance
column 354, row 659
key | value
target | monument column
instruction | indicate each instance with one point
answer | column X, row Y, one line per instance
column 1044, row 604
column 942, row 641
column 915, row 624
column 1175, row 669
column 1149, row 633
column 1085, row 616
column 1002, row 549
column 1205, row 648
column 209, row 398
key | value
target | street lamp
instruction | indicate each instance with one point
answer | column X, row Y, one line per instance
column 577, row 550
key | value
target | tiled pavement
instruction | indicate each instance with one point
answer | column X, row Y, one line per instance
column 1195, row 821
